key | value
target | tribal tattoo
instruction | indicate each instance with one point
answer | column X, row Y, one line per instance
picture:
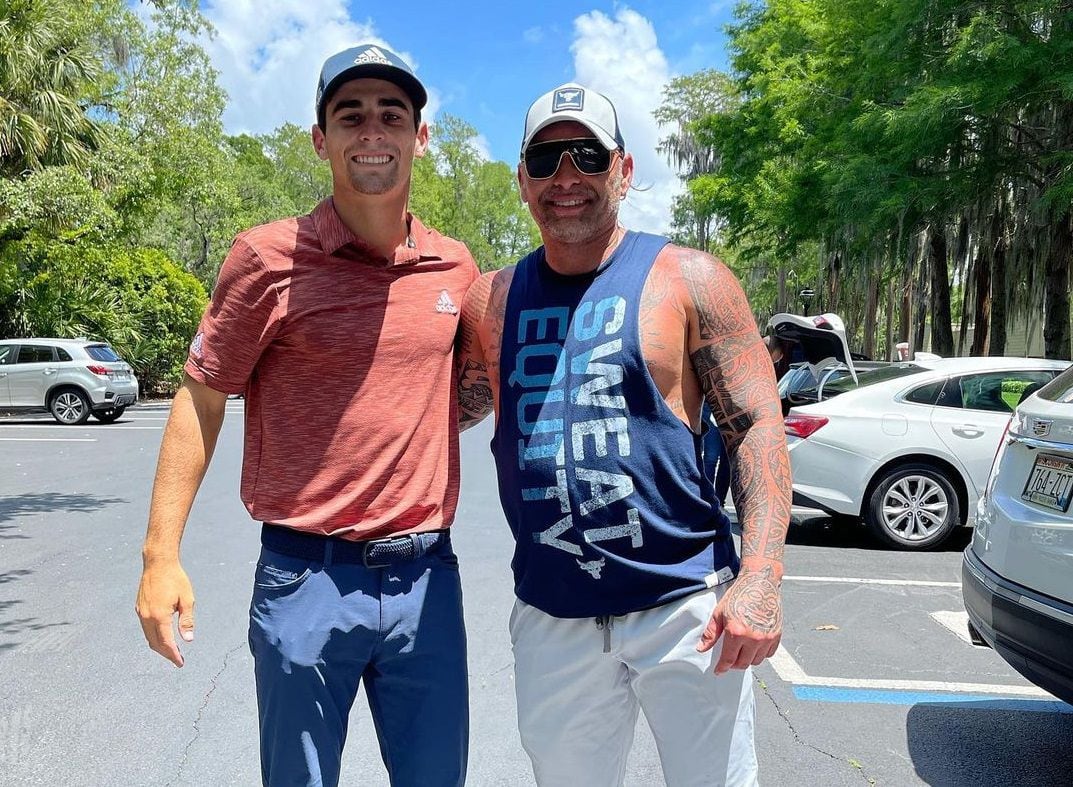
column 474, row 393
column 754, row 600
column 738, row 381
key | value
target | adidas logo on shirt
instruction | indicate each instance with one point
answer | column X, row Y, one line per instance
column 444, row 304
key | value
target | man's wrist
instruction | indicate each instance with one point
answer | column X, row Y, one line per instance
column 751, row 564
column 153, row 557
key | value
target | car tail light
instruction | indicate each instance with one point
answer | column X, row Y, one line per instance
column 803, row 425
column 992, row 476
column 103, row 371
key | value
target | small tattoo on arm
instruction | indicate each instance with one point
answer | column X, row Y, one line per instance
column 474, row 393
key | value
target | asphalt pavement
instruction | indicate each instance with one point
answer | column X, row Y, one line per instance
column 876, row 682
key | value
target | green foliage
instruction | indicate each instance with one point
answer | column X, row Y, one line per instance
column 165, row 304
column 45, row 71
column 1015, row 386
column 475, row 201
column 138, row 300
column 867, row 127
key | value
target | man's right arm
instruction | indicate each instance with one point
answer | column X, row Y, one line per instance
column 197, row 413
column 475, row 398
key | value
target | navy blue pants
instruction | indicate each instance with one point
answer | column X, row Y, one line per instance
column 319, row 628
column 716, row 459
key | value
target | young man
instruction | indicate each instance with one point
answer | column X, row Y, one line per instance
column 596, row 351
column 339, row 327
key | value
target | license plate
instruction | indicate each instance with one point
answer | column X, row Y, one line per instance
column 1050, row 483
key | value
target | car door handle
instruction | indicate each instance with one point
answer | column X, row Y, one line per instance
column 3, row 374
column 967, row 430
column 50, row 371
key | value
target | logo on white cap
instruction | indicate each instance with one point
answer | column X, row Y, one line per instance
column 372, row 55
column 568, row 98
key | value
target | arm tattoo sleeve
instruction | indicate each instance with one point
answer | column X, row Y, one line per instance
column 735, row 374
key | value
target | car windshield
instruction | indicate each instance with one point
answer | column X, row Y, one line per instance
column 839, row 385
column 102, row 352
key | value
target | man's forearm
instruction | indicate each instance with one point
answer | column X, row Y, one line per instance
column 188, row 444
column 762, row 492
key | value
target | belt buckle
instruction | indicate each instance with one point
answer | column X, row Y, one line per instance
column 376, row 542
column 365, row 555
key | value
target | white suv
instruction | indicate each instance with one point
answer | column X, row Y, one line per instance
column 70, row 378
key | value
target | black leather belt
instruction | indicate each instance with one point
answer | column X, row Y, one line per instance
column 373, row 553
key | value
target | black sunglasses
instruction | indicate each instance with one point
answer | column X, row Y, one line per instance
column 589, row 156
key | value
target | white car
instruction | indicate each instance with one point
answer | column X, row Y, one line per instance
column 1017, row 574
column 70, row 378
column 910, row 447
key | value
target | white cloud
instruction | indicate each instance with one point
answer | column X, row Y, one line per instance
column 484, row 150
column 269, row 54
column 534, row 35
column 621, row 58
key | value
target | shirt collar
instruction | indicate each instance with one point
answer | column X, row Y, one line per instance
column 335, row 236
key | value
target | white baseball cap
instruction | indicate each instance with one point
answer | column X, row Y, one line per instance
column 578, row 103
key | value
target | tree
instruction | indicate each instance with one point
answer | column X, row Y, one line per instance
column 686, row 101
column 475, row 201
column 924, row 144
column 44, row 74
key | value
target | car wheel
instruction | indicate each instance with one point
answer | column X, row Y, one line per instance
column 913, row 507
column 70, row 407
column 109, row 415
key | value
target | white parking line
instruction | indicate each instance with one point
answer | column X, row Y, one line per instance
column 790, row 671
column 46, row 425
column 47, row 440
column 956, row 621
column 925, row 583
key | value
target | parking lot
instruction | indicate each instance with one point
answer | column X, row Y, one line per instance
column 876, row 682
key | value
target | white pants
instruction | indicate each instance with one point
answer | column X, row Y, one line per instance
column 577, row 704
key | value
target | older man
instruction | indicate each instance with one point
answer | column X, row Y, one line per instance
column 597, row 350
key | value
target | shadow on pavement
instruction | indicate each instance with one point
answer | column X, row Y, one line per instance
column 847, row 533
column 30, row 631
column 993, row 742
column 48, row 503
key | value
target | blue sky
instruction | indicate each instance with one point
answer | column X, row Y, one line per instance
column 482, row 61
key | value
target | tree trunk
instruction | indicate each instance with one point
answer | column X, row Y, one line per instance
column 906, row 313
column 1056, row 289
column 869, row 343
column 997, row 343
column 982, row 312
column 966, row 264
column 889, row 343
column 966, row 290
column 780, row 304
column 834, row 281
column 921, row 298
column 942, row 336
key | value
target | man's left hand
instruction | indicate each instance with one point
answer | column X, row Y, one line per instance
column 749, row 618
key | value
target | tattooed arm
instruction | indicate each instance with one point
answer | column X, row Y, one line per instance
column 480, row 336
column 736, row 377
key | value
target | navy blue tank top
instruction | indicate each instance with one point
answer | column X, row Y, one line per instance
column 602, row 484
